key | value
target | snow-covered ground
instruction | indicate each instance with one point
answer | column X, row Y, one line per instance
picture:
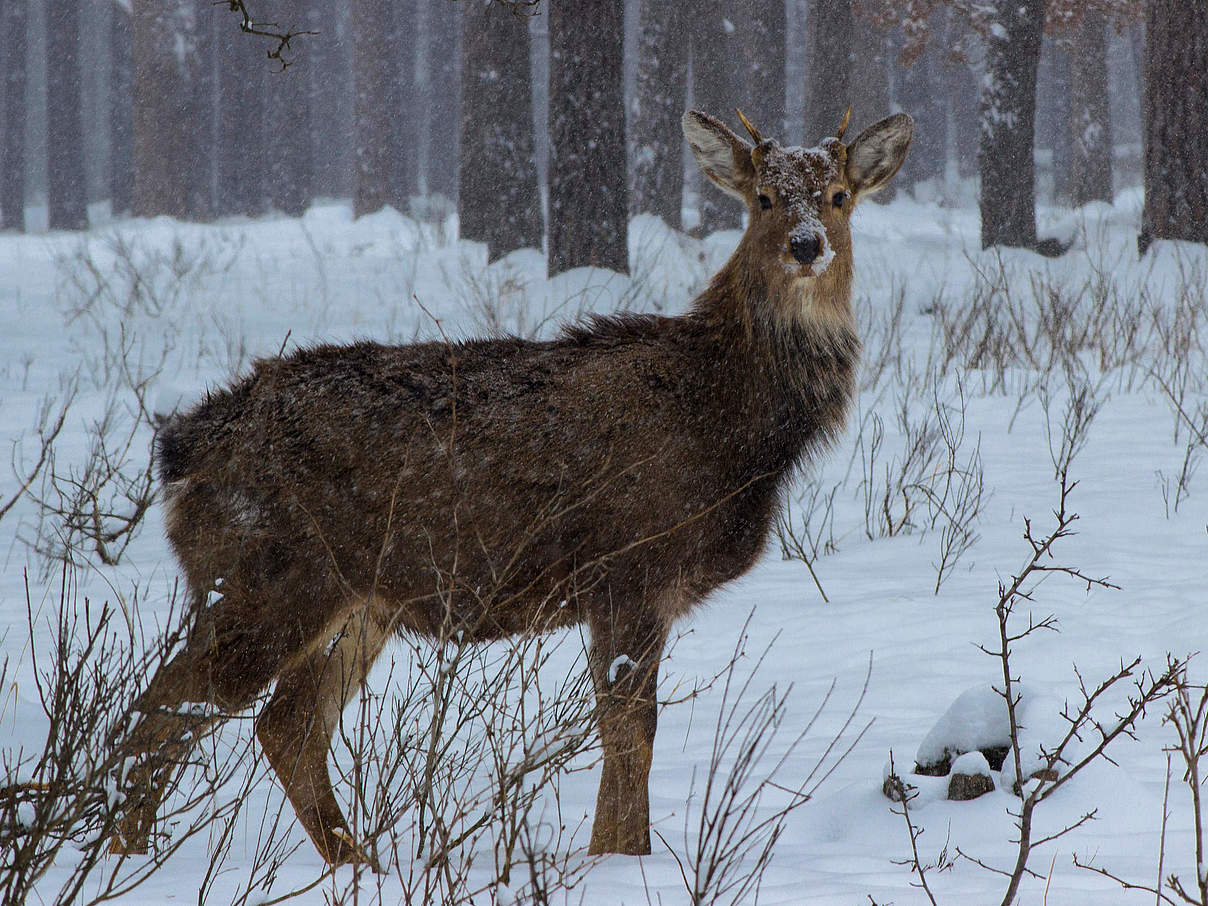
column 179, row 307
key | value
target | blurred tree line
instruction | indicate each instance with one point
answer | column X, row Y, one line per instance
column 553, row 121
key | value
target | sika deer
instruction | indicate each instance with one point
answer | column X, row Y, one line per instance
column 615, row 476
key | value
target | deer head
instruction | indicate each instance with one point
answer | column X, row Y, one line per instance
column 800, row 199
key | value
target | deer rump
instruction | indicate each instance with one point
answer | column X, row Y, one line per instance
column 491, row 487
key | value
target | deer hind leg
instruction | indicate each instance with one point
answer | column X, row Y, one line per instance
column 625, row 654
column 296, row 727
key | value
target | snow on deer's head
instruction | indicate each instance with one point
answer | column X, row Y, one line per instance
column 799, row 199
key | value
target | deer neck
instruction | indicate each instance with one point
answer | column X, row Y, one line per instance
column 790, row 351
column 769, row 306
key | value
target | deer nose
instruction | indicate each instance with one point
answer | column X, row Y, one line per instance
column 806, row 248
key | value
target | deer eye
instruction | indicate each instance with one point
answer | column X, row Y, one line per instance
column 839, row 199
column 765, row 202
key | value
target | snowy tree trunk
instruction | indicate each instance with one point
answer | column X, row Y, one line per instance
column 498, row 201
column 444, row 90
column 372, row 67
column 658, row 103
column 717, row 89
column 241, row 131
column 588, row 190
column 1090, row 119
column 121, row 109
column 12, row 161
column 828, row 27
column 1176, row 109
column 66, row 187
column 1008, row 118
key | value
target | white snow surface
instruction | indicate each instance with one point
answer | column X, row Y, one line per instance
column 216, row 296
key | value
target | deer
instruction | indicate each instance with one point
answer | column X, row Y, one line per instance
column 615, row 476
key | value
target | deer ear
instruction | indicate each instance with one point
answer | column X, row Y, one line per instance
column 877, row 153
column 722, row 156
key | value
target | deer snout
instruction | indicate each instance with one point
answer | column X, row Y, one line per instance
column 806, row 248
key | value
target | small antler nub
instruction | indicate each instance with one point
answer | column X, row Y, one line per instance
column 746, row 122
column 843, row 125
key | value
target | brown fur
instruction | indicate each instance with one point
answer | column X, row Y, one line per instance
column 615, row 476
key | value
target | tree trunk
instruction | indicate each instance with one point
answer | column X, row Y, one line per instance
column 241, row 130
column 498, row 202
column 372, row 67
column 290, row 164
column 401, row 110
column 1008, row 117
column 588, row 191
column 1053, row 104
column 655, row 110
column 331, row 100
column 1176, row 109
column 964, row 119
column 716, row 89
column 762, row 26
column 66, row 187
column 201, row 92
column 444, row 90
column 1090, row 119
column 121, row 110
column 869, row 87
column 168, row 147
column 12, row 180
column 920, row 91
column 829, row 29
column 870, row 84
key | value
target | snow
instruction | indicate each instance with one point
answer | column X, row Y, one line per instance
column 216, row 296
column 619, row 663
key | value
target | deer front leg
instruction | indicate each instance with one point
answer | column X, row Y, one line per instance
column 296, row 727
column 625, row 655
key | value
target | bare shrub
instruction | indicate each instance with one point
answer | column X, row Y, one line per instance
column 882, row 338
column 811, row 533
column 1187, row 715
column 122, row 277
column 96, row 508
column 52, row 414
column 731, row 841
column 1087, row 735
column 61, row 803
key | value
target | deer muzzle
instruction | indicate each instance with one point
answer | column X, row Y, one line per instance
column 806, row 248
